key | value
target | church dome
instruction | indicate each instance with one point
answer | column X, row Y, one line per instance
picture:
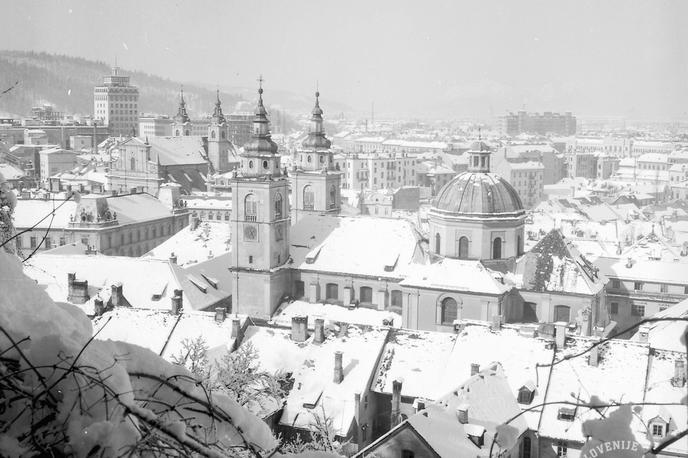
column 478, row 194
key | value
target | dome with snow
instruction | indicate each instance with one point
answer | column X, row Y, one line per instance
column 478, row 193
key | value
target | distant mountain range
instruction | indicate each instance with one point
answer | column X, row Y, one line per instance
column 67, row 83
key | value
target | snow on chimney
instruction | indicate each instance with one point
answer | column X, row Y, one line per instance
column 117, row 294
column 77, row 290
column 338, row 368
column 98, row 307
column 220, row 314
column 594, row 355
column 629, row 263
column 396, row 402
column 173, row 258
column 644, row 334
column 475, row 368
column 319, row 335
column 299, row 328
column 177, row 302
column 236, row 328
column 462, row 413
column 343, row 329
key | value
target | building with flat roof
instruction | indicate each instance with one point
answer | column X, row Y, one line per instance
column 116, row 104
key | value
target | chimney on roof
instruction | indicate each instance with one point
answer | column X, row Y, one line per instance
column 396, row 402
column 117, row 296
column 338, row 368
column 629, row 263
column 475, row 368
column 77, row 290
column 679, row 378
column 560, row 334
column 419, row 404
column 173, row 258
column 177, row 302
column 343, row 329
column 236, row 328
column 319, row 335
column 220, row 314
column 594, row 356
column 644, row 334
column 98, row 307
column 299, row 328
column 462, row 413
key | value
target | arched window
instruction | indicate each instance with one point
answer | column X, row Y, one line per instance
column 278, row 206
column 250, row 207
column 176, row 133
column 562, row 313
column 265, row 164
column 308, row 197
column 437, row 243
column 322, row 158
column 250, row 164
column 525, row 451
column 310, row 158
column 463, row 247
column 497, row 248
column 186, row 132
column 449, row 310
column 132, row 163
column 366, row 295
column 333, row 196
column 212, row 134
column 223, row 135
column 331, row 292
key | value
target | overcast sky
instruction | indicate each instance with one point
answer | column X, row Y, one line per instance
column 625, row 58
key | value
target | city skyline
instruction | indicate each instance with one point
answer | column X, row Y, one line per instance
column 612, row 59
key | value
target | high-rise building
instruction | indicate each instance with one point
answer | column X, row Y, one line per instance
column 536, row 123
column 116, row 104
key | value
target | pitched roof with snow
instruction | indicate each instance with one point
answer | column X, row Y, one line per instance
column 555, row 265
column 454, row 275
column 178, row 150
column 210, row 239
column 312, row 367
column 333, row 313
column 364, row 246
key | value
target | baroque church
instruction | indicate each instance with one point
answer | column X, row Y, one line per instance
column 468, row 264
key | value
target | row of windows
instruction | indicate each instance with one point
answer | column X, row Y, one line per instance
column 640, row 286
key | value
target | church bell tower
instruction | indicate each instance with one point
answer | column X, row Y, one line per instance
column 219, row 146
column 181, row 126
column 315, row 183
column 259, row 223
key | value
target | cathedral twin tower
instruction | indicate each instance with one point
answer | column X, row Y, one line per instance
column 261, row 217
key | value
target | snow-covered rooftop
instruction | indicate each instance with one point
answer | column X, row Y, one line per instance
column 333, row 313
column 454, row 275
column 208, row 240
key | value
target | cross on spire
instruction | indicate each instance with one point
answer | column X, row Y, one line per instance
column 260, row 83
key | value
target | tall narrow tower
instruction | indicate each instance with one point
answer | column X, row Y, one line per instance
column 116, row 104
column 219, row 146
column 182, row 123
column 259, row 224
column 315, row 183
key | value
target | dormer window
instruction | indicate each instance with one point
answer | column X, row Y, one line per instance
column 566, row 414
column 526, row 393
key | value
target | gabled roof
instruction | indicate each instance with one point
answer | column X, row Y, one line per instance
column 555, row 265
column 178, row 150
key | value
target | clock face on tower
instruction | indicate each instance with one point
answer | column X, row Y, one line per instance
column 250, row 232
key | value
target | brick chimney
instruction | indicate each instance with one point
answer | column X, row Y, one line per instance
column 475, row 368
column 594, row 356
column 319, row 335
column 173, row 258
column 643, row 334
column 299, row 328
column 98, row 307
column 77, row 290
column 220, row 314
column 117, row 295
column 177, row 302
column 396, row 402
column 338, row 368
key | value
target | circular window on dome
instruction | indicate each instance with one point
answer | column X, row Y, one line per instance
column 265, row 164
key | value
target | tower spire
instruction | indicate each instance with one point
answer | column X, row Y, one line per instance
column 182, row 115
column 316, row 139
column 218, row 115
